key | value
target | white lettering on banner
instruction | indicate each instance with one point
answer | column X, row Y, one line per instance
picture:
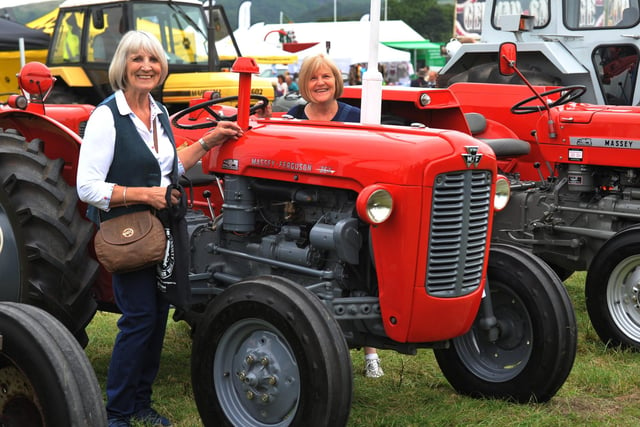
column 539, row 9
column 473, row 16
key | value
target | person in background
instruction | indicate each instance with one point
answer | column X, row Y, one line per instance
column 420, row 81
column 281, row 86
column 72, row 40
column 432, row 79
column 292, row 85
column 320, row 83
column 127, row 159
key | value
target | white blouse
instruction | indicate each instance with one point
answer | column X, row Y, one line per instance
column 96, row 151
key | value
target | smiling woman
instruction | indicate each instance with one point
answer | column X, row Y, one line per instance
column 129, row 163
column 320, row 84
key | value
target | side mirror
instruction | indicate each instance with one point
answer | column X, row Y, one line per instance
column 98, row 19
column 508, row 54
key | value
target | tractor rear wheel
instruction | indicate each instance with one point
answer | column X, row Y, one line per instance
column 612, row 290
column 44, row 258
column 536, row 345
column 45, row 375
column 268, row 352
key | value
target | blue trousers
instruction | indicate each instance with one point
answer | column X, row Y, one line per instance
column 136, row 353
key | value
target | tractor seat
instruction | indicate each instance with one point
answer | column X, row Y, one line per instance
column 502, row 147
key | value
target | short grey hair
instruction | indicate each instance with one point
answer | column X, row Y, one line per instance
column 133, row 42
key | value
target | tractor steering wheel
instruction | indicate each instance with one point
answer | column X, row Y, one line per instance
column 569, row 93
column 216, row 116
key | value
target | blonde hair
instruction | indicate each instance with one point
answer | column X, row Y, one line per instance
column 310, row 65
column 133, row 42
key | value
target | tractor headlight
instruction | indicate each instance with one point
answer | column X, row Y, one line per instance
column 374, row 204
column 503, row 193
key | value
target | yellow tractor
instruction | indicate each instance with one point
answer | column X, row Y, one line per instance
column 198, row 41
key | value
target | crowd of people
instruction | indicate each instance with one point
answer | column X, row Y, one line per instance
column 425, row 77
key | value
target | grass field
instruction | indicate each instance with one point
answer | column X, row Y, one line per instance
column 603, row 388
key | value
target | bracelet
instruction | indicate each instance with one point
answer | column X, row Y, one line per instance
column 124, row 197
column 204, row 145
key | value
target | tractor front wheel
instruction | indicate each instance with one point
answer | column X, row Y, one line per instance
column 537, row 334
column 612, row 290
column 268, row 352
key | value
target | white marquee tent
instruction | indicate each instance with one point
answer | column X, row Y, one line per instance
column 348, row 40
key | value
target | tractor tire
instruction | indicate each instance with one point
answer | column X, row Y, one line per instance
column 268, row 352
column 612, row 291
column 44, row 259
column 536, row 345
column 46, row 377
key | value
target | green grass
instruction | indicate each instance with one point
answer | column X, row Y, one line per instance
column 602, row 390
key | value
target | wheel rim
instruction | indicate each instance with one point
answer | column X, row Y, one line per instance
column 18, row 403
column 505, row 358
column 256, row 375
column 623, row 300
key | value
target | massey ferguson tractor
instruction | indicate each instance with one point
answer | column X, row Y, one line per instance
column 307, row 239
column 575, row 187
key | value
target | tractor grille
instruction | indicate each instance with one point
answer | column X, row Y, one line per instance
column 459, row 232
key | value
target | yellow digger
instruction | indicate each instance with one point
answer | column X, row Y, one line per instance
column 198, row 41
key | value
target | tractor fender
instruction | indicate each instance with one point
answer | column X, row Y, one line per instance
column 557, row 54
column 60, row 141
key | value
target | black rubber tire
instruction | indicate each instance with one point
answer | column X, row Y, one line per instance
column 46, row 377
column 45, row 259
column 612, row 292
column 273, row 318
column 536, row 347
column 563, row 273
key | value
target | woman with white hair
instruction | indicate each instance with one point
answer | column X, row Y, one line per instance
column 127, row 160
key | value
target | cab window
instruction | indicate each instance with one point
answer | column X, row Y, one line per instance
column 106, row 28
column 616, row 66
column 539, row 9
column 592, row 14
column 181, row 29
column 67, row 39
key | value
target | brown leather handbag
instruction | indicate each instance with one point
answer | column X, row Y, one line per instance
column 130, row 242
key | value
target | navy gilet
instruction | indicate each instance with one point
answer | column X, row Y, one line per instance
column 133, row 164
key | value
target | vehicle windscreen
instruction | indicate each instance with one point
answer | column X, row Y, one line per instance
column 592, row 14
column 536, row 8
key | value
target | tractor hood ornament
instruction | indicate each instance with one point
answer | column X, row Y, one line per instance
column 472, row 157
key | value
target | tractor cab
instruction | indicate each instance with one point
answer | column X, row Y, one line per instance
column 198, row 43
column 570, row 42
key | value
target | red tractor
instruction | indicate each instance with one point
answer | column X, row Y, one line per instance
column 575, row 181
column 311, row 238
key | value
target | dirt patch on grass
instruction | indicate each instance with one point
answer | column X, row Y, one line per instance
column 593, row 407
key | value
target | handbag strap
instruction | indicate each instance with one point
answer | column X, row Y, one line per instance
column 155, row 135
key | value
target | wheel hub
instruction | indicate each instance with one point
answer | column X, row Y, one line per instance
column 261, row 378
column 623, row 296
column 18, row 403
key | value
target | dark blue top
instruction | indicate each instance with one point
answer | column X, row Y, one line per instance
column 346, row 113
